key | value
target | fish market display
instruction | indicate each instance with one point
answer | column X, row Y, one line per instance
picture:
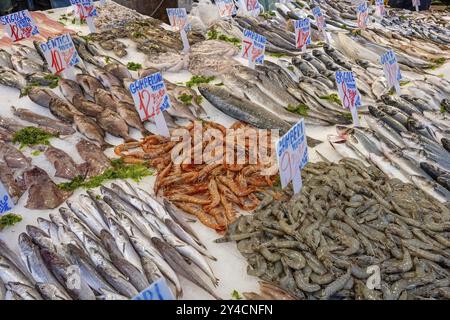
column 319, row 243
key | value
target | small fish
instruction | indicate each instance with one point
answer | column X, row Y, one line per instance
column 433, row 189
column 51, row 292
column 106, row 78
column 27, row 52
column 87, row 107
column 25, row 66
column 5, row 59
column 118, row 70
column 25, row 292
column 70, row 89
column 42, row 96
column 88, row 83
column 90, row 129
column 63, row 110
column 82, row 214
column 112, row 123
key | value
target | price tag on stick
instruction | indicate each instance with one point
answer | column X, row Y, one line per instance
column 391, row 70
column 253, row 48
column 85, row 10
column 226, row 8
column 6, row 203
column 158, row 290
column 416, row 4
column 362, row 15
column 292, row 155
column 320, row 21
column 151, row 99
column 61, row 55
column 348, row 93
column 380, row 8
column 19, row 25
column 302, row 33
column 178, row 21
column 250, row 7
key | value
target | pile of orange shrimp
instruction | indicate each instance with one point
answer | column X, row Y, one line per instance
column 212, row 191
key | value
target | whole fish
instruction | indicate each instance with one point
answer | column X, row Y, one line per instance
column 48, row 124
column 88, row 83
column 2, row 290
column 106, row 99
column 105, row 211
column 82, row 214
column 433, row 189
column 121, row 94
column 118, row 70
column 112, row 123
column 63, row 110
column 70, row 89
column 112, row 275
column 65, row 166
column 25, row 66
column 110, row 295
column 88, row 271
column 90, row 129
column 15, row 269
column 134, row 274
column 51, row 292
column 42, row 96
column 242, row 110
column 9, row 273
column 132, row 118
column 94, row 156
column 27, row 52
column 92, row 209
column 5, row 59
column 87, row 107
column 176, row 261
column 106, row 78
column 68, row 275
column 25, row 292
column 12, row 78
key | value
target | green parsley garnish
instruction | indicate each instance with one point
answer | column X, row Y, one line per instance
column 235, row 295
column 186, row 99
column 9, row 219
column 134, row 66
column 332, row 97
column 196, row 80
column 32, row 136
column 301, row 109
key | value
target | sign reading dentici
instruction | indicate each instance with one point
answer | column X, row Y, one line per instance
column 60, row 54
column 151, row 99
column 19, row 25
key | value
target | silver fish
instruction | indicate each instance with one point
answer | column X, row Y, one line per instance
column 90, row 220
column 12, row 78
column 25, row 292
column 51, row 292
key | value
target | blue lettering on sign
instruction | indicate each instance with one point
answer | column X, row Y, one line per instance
column 292, row 137
column 346, row 76
column 379, row 2
column 362, row 7
column 177, row 12
column 158, row 290
column 6, row 203
column 316, row 11
column 255, row 37
column 388, row 57
column 152, row 81
column 62, row 42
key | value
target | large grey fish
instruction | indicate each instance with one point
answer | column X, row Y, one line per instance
column 25, row 66
column 12, row 78
column 25, row 292
column 112, row 275
column 65, row 166
column 68, row 275
column 42, row 96
column 90, row 129
column 88, row 83
column 41, row 238
column 51, row 292
column 177, row 262
column 88, row 271
column 112, row 123
column 94, row 156
column 33, row 260
column 70, row 89
column 134, row 274
column 10, row 255
column 48, row 124
column 9, row 273
column 242, row 110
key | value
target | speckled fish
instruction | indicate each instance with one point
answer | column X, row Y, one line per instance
column 70, row 89
column 106, row 78
column 87, row 107
column 12, row 78
column 25, row 66
column 118, row 70
column 5, row 59
column 48, row 124
column 51, row 292
column 25, row 292
column 63, row 110
column 27, row 52
column 94, row 156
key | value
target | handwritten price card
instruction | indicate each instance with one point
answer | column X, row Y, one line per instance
column 158, row 290
column 19, row 25
column 226, row 8
column 178, row 21
column 391, row 70
column 292, row 155
column 6, row 203
column 362, row 15
column 348, row 93
column 380, row 8
column 416, row 4
column 253, row 48
column 60, row 54
column 302, row 33
column 85, row 10
column 151, row 99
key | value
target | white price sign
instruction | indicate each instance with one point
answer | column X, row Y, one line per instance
column 158, row 290
column 391, row 70
column 19, row 25
column 6, row 203
column 178, row 21
column 60, row 54
column 226, row 8
column 253, row 48
column 292, row 155
column 348, row 93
